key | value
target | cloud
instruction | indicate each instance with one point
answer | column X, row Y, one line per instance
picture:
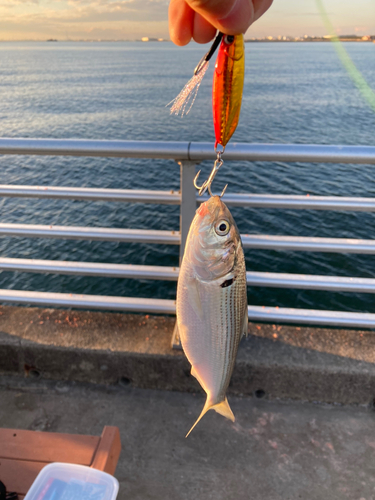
column 89, row 11
column 130, row 10
column 16, row 3
column 83, row 19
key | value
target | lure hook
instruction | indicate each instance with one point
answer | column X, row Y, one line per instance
column 207, row 184
column 209, row 54
column 185, row 99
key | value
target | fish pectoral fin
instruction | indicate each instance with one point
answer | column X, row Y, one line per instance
column 195, row 300
column 245, row 325
column 223, row 408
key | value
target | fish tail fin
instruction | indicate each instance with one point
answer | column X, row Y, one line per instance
column 223, row 408
column 206, row 407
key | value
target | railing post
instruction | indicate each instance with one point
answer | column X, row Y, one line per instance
column 187, row 212
column 188, row 200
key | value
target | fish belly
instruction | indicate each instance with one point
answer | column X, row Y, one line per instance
column 210, row 321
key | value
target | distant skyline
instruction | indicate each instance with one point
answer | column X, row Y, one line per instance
column 134, row 19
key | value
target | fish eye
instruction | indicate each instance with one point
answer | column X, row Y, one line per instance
column 228, row 39
column 222, row 228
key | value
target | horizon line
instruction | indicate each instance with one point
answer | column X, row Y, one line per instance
column 269, row 38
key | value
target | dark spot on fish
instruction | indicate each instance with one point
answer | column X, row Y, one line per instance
column 228, row 282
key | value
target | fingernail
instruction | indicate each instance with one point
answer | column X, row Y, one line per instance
column 239, row 18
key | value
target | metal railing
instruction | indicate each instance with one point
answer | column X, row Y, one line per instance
column 187, row 155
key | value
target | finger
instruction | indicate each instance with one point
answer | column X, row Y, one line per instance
column 260, row 7
column 230, row 16
column 181, row 21
column 203, row 31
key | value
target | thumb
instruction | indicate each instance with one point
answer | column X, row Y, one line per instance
column 230, row 16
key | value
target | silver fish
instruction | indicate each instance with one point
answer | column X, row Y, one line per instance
column 212, row 301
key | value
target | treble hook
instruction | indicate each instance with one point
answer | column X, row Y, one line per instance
column 207, row 184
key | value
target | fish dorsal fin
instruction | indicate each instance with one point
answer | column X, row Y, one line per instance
column 245, row 325
column 195, row 300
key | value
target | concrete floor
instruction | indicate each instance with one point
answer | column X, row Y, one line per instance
column 275, row 449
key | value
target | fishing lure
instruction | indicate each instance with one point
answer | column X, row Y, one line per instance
column 227, row 88
column 226, row 95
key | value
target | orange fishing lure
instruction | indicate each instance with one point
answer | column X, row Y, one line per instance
column 226, row 94
column 227, row 87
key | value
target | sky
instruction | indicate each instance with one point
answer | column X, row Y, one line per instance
column 134, row 19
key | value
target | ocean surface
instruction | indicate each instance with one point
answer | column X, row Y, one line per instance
column 294, row 93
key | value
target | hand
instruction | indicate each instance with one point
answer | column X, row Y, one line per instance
column 199, row 19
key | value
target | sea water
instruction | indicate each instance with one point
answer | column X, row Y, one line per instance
column 294, row 93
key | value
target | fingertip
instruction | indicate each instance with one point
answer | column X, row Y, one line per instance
column 240, row 17
column 203, row 31
column 181, row 20
column 260, row 7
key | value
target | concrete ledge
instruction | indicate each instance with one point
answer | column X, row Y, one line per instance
column 313, row 364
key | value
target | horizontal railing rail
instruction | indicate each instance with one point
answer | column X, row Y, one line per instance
column 98, row 269
column 91, row 194
column 306, row 202
column 298, row 202
column 306, row 244
column 168, row 273
column 164, row 306
column 124, row 304
column 187, row 154
column 311, row 317
column 193, row 151
column 311, row 282
column 254, row 241
column 91, row 233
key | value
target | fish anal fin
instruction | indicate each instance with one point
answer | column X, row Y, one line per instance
column 223, row 408
column 194, row 373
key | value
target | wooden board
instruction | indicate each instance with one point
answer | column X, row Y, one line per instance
column 19, row 475
column 23, row 454
column 47, row 446
column 108, row 451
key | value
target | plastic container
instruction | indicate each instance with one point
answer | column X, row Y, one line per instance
column 59, row 481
